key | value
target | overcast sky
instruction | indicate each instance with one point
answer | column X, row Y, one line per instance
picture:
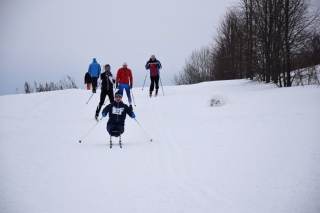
column 44, row 40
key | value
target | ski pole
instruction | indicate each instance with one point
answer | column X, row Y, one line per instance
column 143, row 130
column 90, row 130
column 133, row 98
column 90, row 98
column 161, row 85
column 132, row 92
column 145, row 79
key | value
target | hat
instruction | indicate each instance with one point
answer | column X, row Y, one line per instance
column 118, row 93
column 124, row 63
column 153, row 56
column 107, row 65
column 94, row 59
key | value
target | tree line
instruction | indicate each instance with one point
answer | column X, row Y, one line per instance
column 61, row 85
column 271, row 41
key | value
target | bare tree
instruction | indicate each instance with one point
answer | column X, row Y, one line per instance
column 27, row 88
column 277, row 34
column 197, row 68
column 263, row 40
column 228, row 52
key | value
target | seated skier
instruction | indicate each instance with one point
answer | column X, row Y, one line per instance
column 117, row 115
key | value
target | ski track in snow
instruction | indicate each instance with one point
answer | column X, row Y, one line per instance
column 192, row 188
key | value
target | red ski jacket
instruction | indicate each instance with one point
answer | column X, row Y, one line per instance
column 124, row 76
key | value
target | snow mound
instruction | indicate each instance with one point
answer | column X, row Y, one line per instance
column 217, row 100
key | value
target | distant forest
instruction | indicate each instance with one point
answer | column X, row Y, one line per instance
column 61, row 85
column 270, row 41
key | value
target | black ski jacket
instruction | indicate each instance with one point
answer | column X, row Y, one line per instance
column 107, row 80
column 117, row 112
column 87, row 78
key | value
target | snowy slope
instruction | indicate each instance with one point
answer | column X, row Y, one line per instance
column 257, row 153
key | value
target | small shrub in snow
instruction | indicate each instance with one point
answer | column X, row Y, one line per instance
column 217, row 100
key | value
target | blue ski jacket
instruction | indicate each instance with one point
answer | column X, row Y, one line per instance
column 94, row 69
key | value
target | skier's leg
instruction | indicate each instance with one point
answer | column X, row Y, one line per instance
column 94, row 84
column 88, row 86
column 119, row 128
column 120, row 89
column 102, row 99
column 152, row 84
column 110, row 95
column 156, row 79
column 116, row 129
column 109, row 128
column 127, row 88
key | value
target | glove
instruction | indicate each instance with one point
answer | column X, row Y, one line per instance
column 113, row 81
column 130, row 86
column 117, row 86
column 133, row 115
column 104, row 114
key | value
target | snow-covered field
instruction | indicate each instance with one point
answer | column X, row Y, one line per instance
column 258, row 151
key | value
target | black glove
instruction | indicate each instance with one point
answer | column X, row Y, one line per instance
column 113, row 81
column 117, row 86
column 130, row 86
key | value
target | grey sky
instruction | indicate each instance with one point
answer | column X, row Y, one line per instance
column 44, row 40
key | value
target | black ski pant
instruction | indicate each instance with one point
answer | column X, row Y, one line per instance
column 94, row 83
column 154, row 80
column 103, row 95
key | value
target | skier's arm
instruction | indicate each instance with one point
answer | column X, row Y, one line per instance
column 131, row 78
column 112, row 79
column 129, row 112
column 106, row 110
column 147, row 65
